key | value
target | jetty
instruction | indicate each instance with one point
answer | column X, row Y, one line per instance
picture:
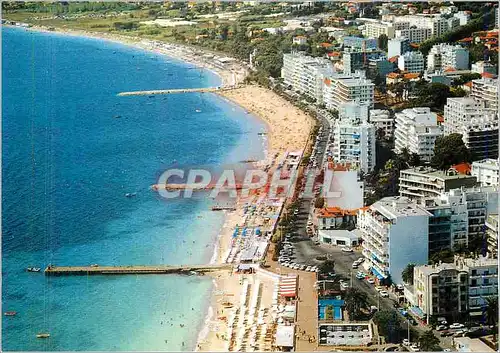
column 134, row 269
column 174, row 91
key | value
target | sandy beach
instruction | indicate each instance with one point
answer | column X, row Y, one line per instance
column 288, row 130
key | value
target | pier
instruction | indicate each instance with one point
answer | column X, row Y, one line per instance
column 134, row 269
column 174, row 91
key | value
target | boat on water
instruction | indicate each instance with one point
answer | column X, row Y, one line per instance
column 43, row 335
column 10, row 313
column 198, row 110
column 151, row 96
column 33, row 269
column 94, row 265
column 117, row 116
column 130, row 194
column 261, row 133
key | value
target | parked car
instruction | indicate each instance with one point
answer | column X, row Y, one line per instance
column 308, row 268
column 457, row 325
column 370, row 280
column 441, row 327
column 360, row 276
column 406, row 342
column 384, row 294
column 446, row 333
column 355, row 265
column 379, row 289
column 360, row 260
column 346, row 249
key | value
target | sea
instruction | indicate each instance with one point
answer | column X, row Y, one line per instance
column 72, row 149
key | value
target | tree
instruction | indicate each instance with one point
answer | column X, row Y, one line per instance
column 319, row 203
column 432, row 95
column 407, row 274
column 327, row 266
column 428, row 342
column 383, row 41
column 492, row 312
column 389, row 324
column 414, row 160
column 449, row 150
column 355, row 302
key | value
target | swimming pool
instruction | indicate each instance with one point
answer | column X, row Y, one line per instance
column 337, row 308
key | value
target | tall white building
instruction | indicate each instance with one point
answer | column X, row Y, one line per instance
column 306, row 74
column 381, row 119
column 486, row 90
column 397, row 46
column 482, row 67
column 374, row 29
column 415, row 34
column 354, row 137
column 412, row 61
column 443, row 56
column 395, row 233
column 417, row 130
column 436, row 23
column 477, row 125
column 340, row 90
column 463, row 17
column 486, row 171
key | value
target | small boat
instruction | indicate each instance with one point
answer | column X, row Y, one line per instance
column 10, row 313
column 117, row 116
column 94, row 265
column 43, row 335
column 261, row 133
column 194, row 273
column 129, row 194
column 151, row 96
column 198, row 110
column 33, row 269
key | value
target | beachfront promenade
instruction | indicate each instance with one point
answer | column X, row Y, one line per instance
column 174, row 91
column 134, row 269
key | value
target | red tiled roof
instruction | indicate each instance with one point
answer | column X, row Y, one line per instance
column 450, row 69
column 326, row 45
column 468, row 39
column 392, row 75
column 339, row 167
column 334, row 53
column 327, row 81
column 329, row 212
column 411, row 75
column 440, row 118
column 468, row 84
column 462, row 168
column 393, row 59
column 414, row 45
column 487, row 75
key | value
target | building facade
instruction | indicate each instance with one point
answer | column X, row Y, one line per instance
column 395, row 233
column 445, row 56
column 486, row 171
column 415, row 34
column 398, row 46
column 382, row 119
column 412, row 62
column 337, row 91
column 486, row 90
column 477, row 124
column 416, row 130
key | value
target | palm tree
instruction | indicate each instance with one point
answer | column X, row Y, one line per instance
column 428, row 342
column 492, row 314
column 355, row 301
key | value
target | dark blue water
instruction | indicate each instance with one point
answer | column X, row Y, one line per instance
column 71, row 150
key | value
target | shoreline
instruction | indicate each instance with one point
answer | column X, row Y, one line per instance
column 287, row 130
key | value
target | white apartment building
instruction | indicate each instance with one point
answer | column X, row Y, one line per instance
column 395, row 233
column 443, row 56
column 486, row 171
column 381, row 119
column 344, row 187
column 374, row 29
column 492, row 234
column 482, row 67
column 483, row 283
column 412, row 62
column 417, row 130
column 486, row 90
column 441, row 290
column 463, row 17
column 339, row 90
column 354, row 138
column 436, row 23
column 477, row 124
column 423, row 183
column 306, row 74
column 415, row 34
column 398, row 46
column 299, row 40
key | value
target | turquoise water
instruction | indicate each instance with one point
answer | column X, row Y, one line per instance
column 68, row 161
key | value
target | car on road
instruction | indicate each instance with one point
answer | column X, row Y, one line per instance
column 379, row 289
column 460, row 333
column 441, row 327
column 457, row 325
column 344, row 285
column 406, row 342
column 445, row 333
column 308, row 268
column 360, row 260
column 303, row 267
column 360, row 276
column 370, row 280
column 355, row 265
column 346, row 249
column 384, row 294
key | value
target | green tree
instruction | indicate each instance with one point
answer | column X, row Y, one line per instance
column 428, row 341
column 389, row 324
column 407, row 274
column 383, row 41
column 327, row 266
column 414, row 160
column 432, row 95
column 449, row 150
column 492, row 312
column 355, row 302
column 319, row 203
